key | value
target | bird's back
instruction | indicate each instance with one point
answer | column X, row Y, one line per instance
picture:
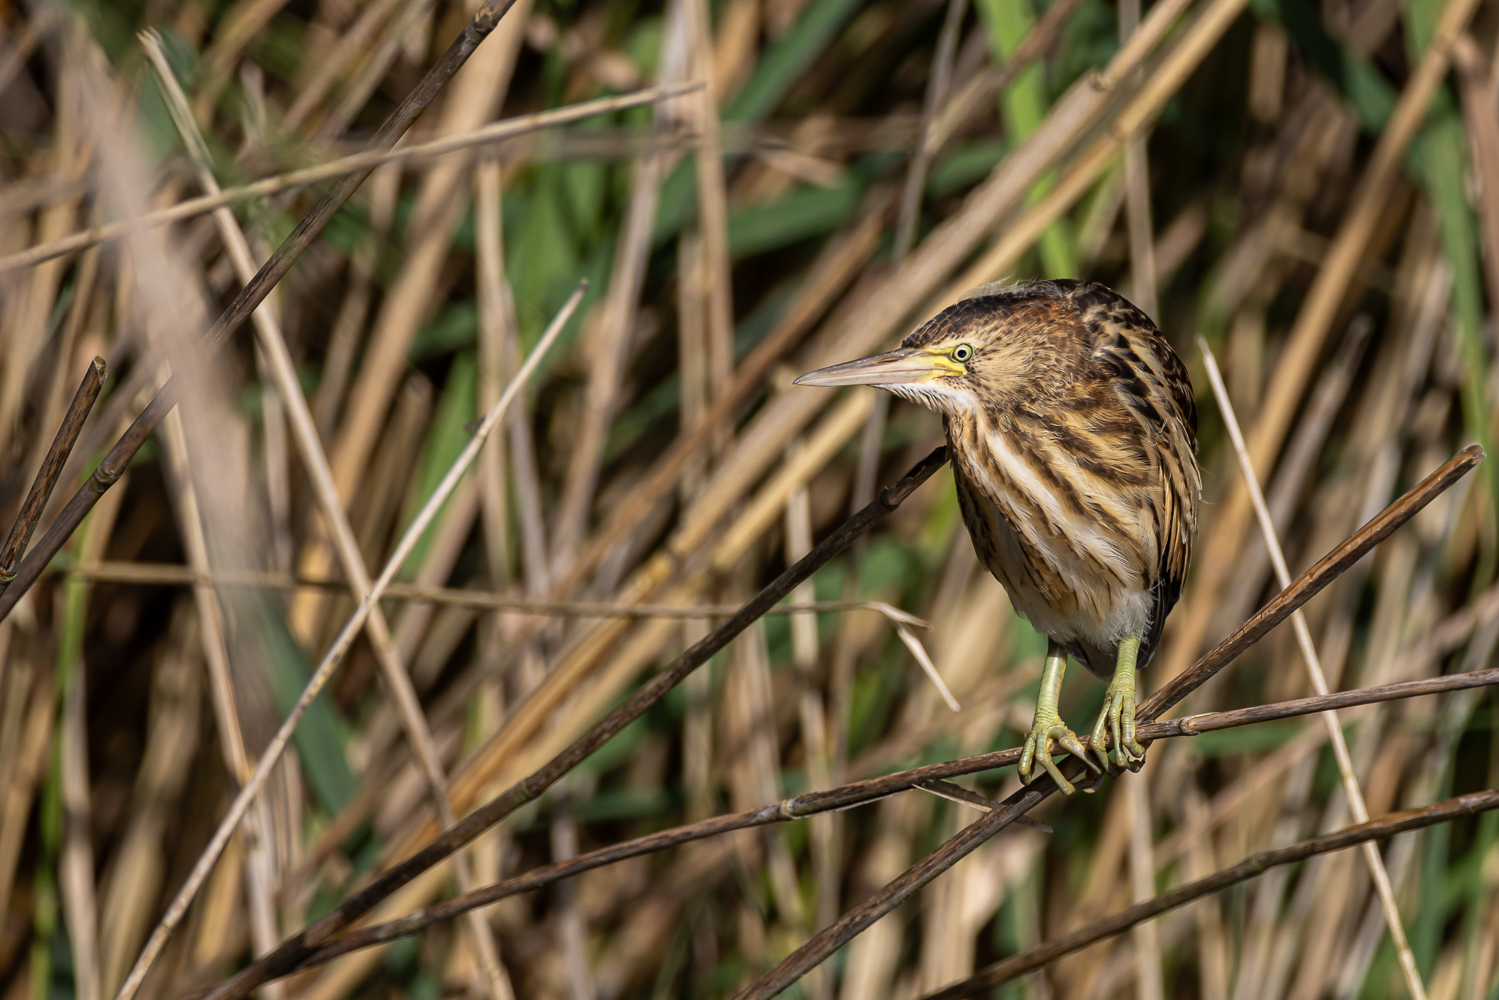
column 1080, row 486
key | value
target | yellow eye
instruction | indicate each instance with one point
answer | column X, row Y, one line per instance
column 962, row 352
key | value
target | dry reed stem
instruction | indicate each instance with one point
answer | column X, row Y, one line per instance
column 273, row 344
column 335, row 653
column 609, row 338
column 343, row 338
column 355, row 163
column 258, row 869
column 75, row 868
column 981, row 89
column 712, row 200
column 51, row 468
column 493, row 316
column 167, row 574
column 333, row 63
column 1481, row 122
column 244, row 20
column 938, row 82
column 1336, row 275
column 1351, row 787
column 1363, row 833
column 827, row 279
column 376, row 65
column 1308, row 585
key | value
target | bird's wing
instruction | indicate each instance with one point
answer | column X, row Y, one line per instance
column 1152, row 383
column 1175, row 446
column 1180, row 487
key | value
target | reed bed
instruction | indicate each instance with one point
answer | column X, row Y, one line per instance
column 425, row 580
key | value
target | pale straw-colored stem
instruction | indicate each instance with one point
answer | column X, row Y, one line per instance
column 368, row 160
column 1309, row 656
column 260, row 873
column 335, row 654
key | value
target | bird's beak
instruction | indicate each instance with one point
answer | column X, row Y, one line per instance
column 899, row 367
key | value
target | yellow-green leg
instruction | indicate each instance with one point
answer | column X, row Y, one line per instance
column 1048, row 726
column 1117, row 719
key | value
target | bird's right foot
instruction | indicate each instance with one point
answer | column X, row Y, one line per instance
column 1047, row 729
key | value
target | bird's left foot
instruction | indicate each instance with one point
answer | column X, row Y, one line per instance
column 1048, row 728
column 1117, row 720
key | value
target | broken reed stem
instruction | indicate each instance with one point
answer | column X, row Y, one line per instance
column 51, row 469
column 250, row 297
column 1364, row 833
column 1351, row 788
column 336, row 651
column 1307, row 586
column 297, row 948
column 929, row 778
column 366, row 160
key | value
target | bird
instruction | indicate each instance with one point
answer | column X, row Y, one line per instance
column 1072, row 430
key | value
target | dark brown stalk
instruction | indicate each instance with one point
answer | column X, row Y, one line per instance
column 1387, row 825
column 295, row 949
column 104, row 476
column 46, row 476
column 1303, row 589
column 931, row 777
column 251, row 296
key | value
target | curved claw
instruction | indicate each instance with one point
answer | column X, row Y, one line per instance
column 1044, row 732
column 1117, row 722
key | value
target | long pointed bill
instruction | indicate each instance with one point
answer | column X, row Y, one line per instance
column 899, row 367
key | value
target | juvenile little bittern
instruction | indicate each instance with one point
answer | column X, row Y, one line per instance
column 1073, row 435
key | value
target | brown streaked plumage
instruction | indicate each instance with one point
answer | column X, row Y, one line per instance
column 1073, row 434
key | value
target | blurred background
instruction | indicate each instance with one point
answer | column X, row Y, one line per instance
column 1311, row 187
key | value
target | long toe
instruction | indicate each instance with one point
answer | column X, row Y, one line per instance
column 1100, row 739
column 1067, row 740
column 1129, row 747
column 1037, row 750
column 1056, row 773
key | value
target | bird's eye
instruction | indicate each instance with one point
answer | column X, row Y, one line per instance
column 962, row 352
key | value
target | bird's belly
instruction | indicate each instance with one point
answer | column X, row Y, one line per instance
column 1060, row 589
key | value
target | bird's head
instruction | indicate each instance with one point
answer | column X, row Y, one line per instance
column 973, row 355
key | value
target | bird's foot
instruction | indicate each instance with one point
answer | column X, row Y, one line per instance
column 1117, row 723
column 1047, row 729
